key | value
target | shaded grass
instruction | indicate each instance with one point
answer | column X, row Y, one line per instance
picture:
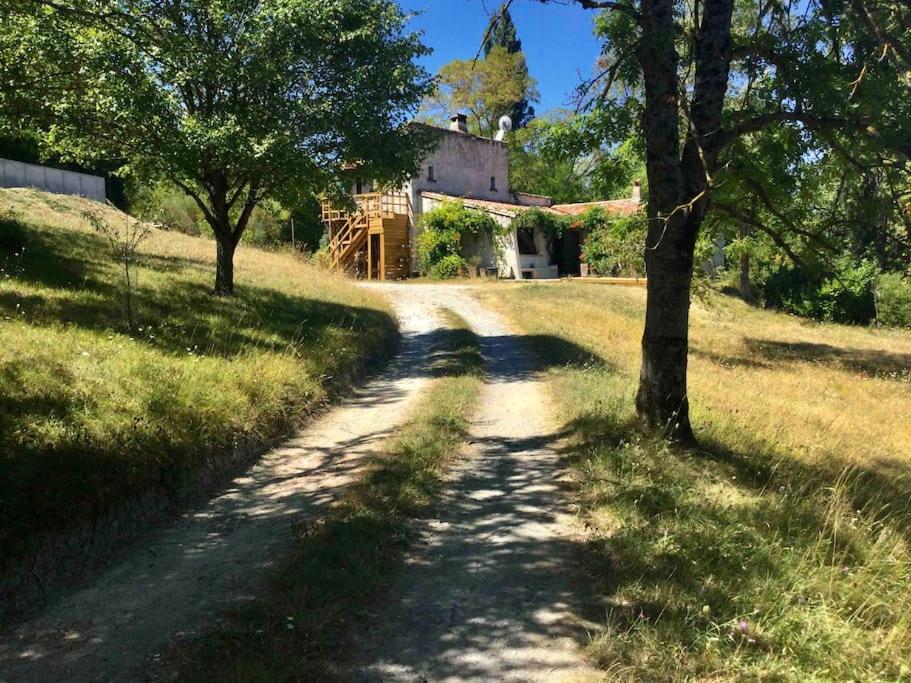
column 342, row 563
column 780, row 550
column 92, row 415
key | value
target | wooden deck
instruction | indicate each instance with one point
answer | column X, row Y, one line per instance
column 372, row 240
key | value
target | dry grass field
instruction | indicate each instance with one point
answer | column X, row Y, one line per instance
column 93, row 413
column 778, row 551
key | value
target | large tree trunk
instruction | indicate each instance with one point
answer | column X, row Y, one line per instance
column 662, row 400
column 662, row 397
column 678, row 191
column 224, row 266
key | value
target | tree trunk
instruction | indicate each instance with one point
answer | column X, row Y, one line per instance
column 224, row 266
column 662, row 401
column 744, row 285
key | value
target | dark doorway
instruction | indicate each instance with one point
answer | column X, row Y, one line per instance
column 373, row 272
column 567, row 252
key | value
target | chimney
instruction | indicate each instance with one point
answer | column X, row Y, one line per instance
column 459, row 123
column 637, row 192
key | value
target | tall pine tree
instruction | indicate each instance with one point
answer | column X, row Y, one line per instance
column 502, row 31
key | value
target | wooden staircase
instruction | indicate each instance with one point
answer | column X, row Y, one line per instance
column 350, row 231
column 348, row 238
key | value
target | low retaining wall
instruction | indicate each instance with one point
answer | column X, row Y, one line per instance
column 19, row 174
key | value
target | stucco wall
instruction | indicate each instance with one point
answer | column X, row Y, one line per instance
column 462, row 166
column 19, row 174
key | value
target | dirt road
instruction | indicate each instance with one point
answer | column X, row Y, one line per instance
column 486, row 593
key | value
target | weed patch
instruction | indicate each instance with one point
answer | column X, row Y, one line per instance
column 94, row 413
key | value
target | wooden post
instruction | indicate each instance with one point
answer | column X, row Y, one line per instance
column 369, row 256
column 382, row 256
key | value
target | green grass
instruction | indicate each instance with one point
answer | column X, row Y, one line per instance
column 779, row 550
column 342, row 563
column 93, row 414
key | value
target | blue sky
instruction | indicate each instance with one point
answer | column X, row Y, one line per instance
column 557, row 40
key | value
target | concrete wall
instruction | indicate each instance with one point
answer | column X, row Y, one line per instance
column 19, row 174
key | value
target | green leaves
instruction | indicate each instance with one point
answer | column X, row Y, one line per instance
column 235, row 100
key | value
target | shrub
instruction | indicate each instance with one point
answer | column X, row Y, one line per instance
column 614, row 245
column 893, row 300
column 541, row 221
column 844, row 294
column 440, row 242
column 170, row 207
column 451, row 265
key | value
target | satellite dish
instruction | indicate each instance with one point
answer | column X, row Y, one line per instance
column 505, row 127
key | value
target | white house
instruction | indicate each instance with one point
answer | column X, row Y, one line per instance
column 376, row 240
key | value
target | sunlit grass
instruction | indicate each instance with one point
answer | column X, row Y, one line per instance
column 92, row 413
column 780, row 550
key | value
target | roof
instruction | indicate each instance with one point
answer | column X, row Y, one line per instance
column 617, row 207
column 503, row 208
column 440, row 129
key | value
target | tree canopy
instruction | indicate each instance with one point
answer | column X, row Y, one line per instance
column 720, row 91
column 502, row 31
column 485, row 89
column 234, row 101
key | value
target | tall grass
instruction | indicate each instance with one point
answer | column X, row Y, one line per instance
column 93, row 413
column 341, row 564
column 780, row 549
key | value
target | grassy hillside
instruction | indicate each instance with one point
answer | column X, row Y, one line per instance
column 780, row 550
column 92, row 413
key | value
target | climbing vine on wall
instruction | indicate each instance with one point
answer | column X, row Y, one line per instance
column 442, row 232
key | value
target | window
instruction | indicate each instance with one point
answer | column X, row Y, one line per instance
column 493, row 183
column 430, row 177
column 526, row 239
column 359, row 187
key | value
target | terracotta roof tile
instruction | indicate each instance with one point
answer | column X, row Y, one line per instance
column 617, row 207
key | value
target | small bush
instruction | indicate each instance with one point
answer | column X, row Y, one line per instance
column 450, row 266
column 893, row 300
column 440, row 243
column 844, row 294
column 615, row 245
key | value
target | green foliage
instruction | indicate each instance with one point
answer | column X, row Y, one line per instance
column 843, row 292
column 613, row 245
column 561, row 157
column 166, row 205
column 442, row 231
column 275, row 93
column 893, row 300
column 540, row 167
column 501, row 31
column 545, row 222
column 269, row 224
column 485, row 89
